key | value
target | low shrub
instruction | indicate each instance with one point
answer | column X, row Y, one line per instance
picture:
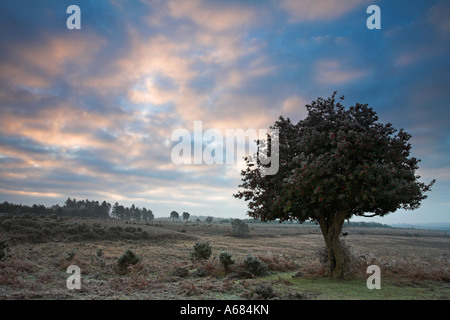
column 201, row 251
column 239, row 228
column 129, row 258
column 130, row 229
column 255, row 266
column 226, row 259
column 264, row 291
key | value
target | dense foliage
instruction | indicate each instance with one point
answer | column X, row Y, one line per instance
column 129, row 258
column 201, row 251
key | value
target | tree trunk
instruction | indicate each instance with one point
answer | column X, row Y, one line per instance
column 331, row 227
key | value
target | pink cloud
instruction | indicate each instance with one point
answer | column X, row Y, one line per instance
column 330, row 71
column 312, row 10
column 437, row 15
column 36, row 64
column 152, row 93
column 216, row 19
column 31, row 193
column 294, row 107
column 145, row 58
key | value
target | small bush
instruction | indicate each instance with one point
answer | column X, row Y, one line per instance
column 130, row 229
column 239, row 228
column 255, row 266
column 201, row 251
column 226, row 259
column 264, row 291
column 209, row 219
column 116, row 229
column 129, row 258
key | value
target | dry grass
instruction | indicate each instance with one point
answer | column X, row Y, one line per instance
column 398, row 266
column 414, row 268
column 36, row 270
column 277, row 262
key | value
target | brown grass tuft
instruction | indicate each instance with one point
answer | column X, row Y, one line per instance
column 277, row 262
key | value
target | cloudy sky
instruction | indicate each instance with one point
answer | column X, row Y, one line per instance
column 89, row 113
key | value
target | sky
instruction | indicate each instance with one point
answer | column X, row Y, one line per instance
column 89, row 113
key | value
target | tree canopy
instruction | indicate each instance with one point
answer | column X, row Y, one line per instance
column 334, row 164
column 174, row 215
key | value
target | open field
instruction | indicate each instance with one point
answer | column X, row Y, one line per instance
column 414, row 263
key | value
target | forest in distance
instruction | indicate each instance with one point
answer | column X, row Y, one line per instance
column 82, row 208
column 104, row 210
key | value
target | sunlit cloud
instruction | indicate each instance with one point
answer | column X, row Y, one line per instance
column 215, row 17
column 311, row 10
column 294, row 107
column 31, row 193
column 90, row 113
column 331, row 71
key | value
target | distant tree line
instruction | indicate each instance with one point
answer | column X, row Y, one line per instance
column 362, row 224
column 133, row 213
column 7, row 207
column 104, row 210
column 82, row 208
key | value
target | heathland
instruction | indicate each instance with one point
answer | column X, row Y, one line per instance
column 271, row 261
